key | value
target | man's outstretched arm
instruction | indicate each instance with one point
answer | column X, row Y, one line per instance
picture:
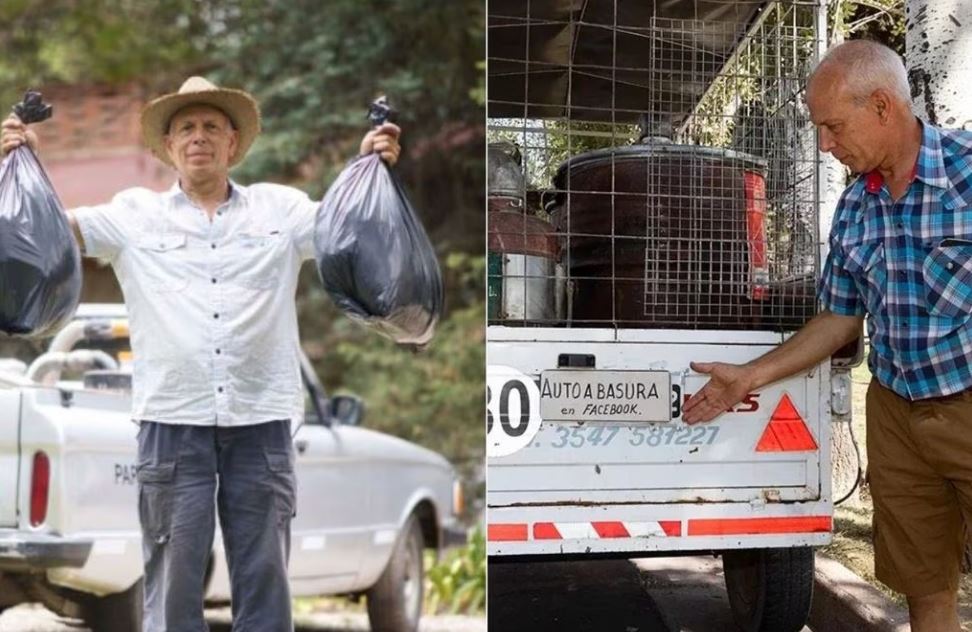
column 729, row 383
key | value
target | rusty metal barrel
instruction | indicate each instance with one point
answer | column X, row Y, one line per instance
column 661, row 235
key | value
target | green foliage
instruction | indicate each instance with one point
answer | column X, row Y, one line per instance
column 98, row 41
column 315, row 66
column 457, row 584
column 879, row 20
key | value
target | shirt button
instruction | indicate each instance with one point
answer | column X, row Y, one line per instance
column 220, row 389
column 213, row 246
column 215, row 315
column 218, row 352
column 949, row 265
column 214, row 280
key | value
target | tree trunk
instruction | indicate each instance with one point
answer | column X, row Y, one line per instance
column 842, row 455
column 938, row 38
column 844, row 459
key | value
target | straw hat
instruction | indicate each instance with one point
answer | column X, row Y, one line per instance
column 239, row 106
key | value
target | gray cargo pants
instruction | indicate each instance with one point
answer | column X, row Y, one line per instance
column 178, row 468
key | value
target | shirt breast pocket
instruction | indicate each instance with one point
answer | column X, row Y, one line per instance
column 261, row 258
column 162, row 260
column 866, row 264
column 947, row 271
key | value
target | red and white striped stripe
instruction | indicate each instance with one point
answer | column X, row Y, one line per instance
column 584, row 530
column 522, row 532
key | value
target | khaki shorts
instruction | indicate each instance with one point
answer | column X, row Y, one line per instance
column 920, row 470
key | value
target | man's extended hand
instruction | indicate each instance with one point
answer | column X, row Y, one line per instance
column 727, row 386
column 14, row 133
column 383, row 140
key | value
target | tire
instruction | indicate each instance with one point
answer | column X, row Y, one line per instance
column 770, row 590
column 395, row 601
column 121, row 612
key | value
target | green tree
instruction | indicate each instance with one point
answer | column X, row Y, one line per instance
column 100, row 41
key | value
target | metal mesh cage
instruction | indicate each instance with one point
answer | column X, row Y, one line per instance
column 670, row 168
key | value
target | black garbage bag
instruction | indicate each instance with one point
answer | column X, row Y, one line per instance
column 373, row 256
column 40, row 264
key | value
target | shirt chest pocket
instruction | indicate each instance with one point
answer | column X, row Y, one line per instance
column 162, row 261
column 259, row 258
column 947, row 271
column 866, row 264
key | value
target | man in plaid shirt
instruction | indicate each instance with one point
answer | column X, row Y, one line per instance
column 901, row 255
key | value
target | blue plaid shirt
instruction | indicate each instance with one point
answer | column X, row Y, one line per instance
column 908, row 266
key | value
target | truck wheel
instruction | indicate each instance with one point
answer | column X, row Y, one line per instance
column 770, row 590
column 395, row 601
column 121, row 612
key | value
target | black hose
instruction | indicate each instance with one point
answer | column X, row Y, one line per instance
column 857, row 451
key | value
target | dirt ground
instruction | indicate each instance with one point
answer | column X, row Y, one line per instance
column 852, row 526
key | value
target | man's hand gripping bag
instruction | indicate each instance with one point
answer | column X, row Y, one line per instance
column 40, row 265
column 373, row 256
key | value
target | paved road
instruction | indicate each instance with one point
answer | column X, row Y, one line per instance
column 33, row 618
column 600, row 596
column 652, row 595
column 690, row 590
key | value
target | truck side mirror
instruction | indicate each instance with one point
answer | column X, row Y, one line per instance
column 347, row 409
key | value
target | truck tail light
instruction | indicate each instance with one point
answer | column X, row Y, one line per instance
column 40, row 484
column 754, row 186
column 458, row 498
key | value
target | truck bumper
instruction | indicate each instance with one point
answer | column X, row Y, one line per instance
column 22, row 552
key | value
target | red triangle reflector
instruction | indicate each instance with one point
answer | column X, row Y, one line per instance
column 786, row 430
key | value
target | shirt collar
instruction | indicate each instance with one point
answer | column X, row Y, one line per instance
column 929, row 167
column 237, row 191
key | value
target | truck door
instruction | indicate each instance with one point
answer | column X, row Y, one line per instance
column 332, row 525
column 9, row 455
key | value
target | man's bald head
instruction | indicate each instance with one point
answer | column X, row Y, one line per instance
column 861, row 67
column 859, row 101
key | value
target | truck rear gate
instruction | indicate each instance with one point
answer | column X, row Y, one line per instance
column 761, row 462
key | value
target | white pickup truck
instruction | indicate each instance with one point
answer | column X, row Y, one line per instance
column 368, row 503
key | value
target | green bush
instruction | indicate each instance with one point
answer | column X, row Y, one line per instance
column 457, row 584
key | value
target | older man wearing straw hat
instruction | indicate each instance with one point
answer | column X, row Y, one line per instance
column 209, row 274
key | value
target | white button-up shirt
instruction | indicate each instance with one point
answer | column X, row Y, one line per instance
column 211, row 304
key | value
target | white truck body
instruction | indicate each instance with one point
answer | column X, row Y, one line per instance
column 630, row 488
